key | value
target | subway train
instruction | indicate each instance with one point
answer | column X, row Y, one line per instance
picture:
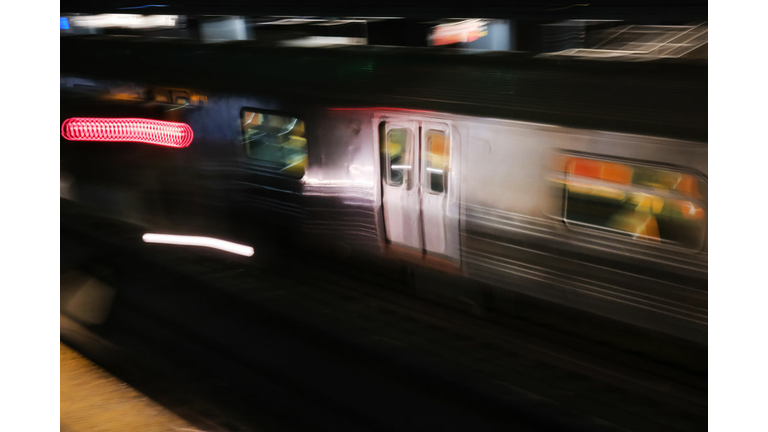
column 578, row 182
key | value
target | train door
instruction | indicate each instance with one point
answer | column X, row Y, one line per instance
column 400, row 182
column 420, row 191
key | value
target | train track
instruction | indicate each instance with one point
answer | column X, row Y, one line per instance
column 493, row 375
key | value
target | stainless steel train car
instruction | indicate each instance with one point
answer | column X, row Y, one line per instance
column 580, row 183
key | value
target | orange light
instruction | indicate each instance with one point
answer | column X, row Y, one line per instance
column 689, row 186
column 617, row 173
column 586, row 168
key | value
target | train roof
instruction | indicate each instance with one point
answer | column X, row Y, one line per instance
column 663, row 97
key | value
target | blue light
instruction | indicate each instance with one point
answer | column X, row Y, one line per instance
column 64, row 23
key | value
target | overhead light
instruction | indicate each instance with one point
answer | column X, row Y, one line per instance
column 456, row 32
column 131, row 21
column 318, row 41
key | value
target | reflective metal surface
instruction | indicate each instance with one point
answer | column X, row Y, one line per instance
column 499, row 217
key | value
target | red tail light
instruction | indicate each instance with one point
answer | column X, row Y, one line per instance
column 147, row 131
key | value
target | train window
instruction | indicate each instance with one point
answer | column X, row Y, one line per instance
column 651, row 204
column 438, row 156
column 396, row 157
column 277, row 141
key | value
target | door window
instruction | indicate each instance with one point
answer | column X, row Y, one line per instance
column 396, row 157
column 438, row 157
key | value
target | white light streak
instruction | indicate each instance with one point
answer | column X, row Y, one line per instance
column 403, row 167
column 292, row 21
column 315, row 21
column 199, row 241
column 316, row 41
column 435, row 170
column 131, row 21
column 339, row 22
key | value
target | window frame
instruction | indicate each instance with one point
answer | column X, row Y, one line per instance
column 602, row 231
column 287, row 114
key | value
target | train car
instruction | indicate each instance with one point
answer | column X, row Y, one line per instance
column 582, row 183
